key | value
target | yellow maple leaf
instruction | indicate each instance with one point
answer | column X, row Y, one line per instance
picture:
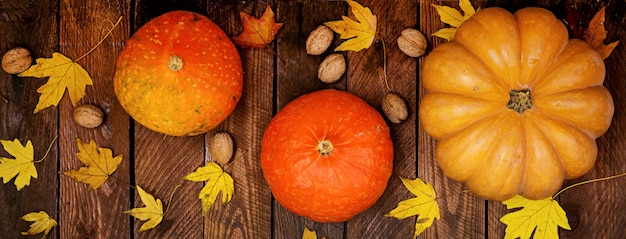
column 596, row 34
column 310, row 234
column 216, row 181
column 63, row 73
column 360, row 33
column 543, row 217
column 100, row 164
column 152, row 212
column 424, row 205
column 453, row 18
column 22, row 167
column 42, row 222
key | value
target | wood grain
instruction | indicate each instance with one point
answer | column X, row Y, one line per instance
column 88, row 213
column 17, row 121
column 462, row 213
column 297, row 75
column 366, row 78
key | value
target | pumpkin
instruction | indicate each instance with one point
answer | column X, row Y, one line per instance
column 179, row 74
column 515, row 106
column 327, row 156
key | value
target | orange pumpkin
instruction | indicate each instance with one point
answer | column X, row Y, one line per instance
column 514, row 104
column 327, row 156
column 179, row 74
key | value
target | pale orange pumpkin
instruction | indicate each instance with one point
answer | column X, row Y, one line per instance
column 514, row 104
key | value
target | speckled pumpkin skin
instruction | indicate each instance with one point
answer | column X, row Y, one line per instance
column 183, row 102
column 336, row 186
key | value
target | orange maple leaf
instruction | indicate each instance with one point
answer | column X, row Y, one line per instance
column 257, row 32
column 596, row 34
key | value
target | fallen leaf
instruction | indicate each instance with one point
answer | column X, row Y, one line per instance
column 22, row 167
column 152, row 212
column 63, row 74
column 453, row 18
column 257, row 32
column 308, row 234
column 596, row 34
column 216, row 181
column 42, row 222
column 359, row 34
column 100, row 164
column 543, row 217
column 424, row 205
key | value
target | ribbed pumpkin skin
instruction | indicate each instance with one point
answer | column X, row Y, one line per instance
column 188, row 101
column 496, row 151
column 341, row 184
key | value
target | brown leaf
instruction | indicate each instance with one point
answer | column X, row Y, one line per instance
column 596, row 34
column 257, row 32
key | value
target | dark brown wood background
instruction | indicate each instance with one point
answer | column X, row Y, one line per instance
column 273, row 76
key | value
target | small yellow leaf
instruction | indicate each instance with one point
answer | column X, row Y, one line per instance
column 100, row 164
column 453, row 17
column 22, row 167
column 152, row 212
column 424, row 205
column 308, row 234
column 42, row 222
column 543, row 217
column 216, row 181
column 360, row 33
column 64, row 74
column 446, row 33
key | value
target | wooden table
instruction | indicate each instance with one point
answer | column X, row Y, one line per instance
column 273, row 76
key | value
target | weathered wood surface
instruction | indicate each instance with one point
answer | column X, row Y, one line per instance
column 273, row 77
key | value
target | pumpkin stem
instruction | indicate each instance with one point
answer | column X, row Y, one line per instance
column 175, row 63
column 324, row 147
column 520, row 100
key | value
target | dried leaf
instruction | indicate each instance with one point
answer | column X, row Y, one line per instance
column 22, row 167
column 63, row 74
column 42, row 222
column 453, row 18
column 424, row 205
column 216, row 181
column 152, row 212
column 596, row 34
column 360, row 33
column 100, row 164
column 257, row 32
column 543, row 217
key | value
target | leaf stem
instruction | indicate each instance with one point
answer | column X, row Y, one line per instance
column 385, row 64
column 101, row 40
column 4, row 99
column 238, row 154
column 589, row 181
column 169, row 202
column 47, row 151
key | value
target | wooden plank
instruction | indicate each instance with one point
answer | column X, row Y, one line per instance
column 161, row 162
column 17, row 121
column 462, row 214
column 366, row 78
column 86, row 213
column 296, row 76
column 596, row 210
column 248, row 215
